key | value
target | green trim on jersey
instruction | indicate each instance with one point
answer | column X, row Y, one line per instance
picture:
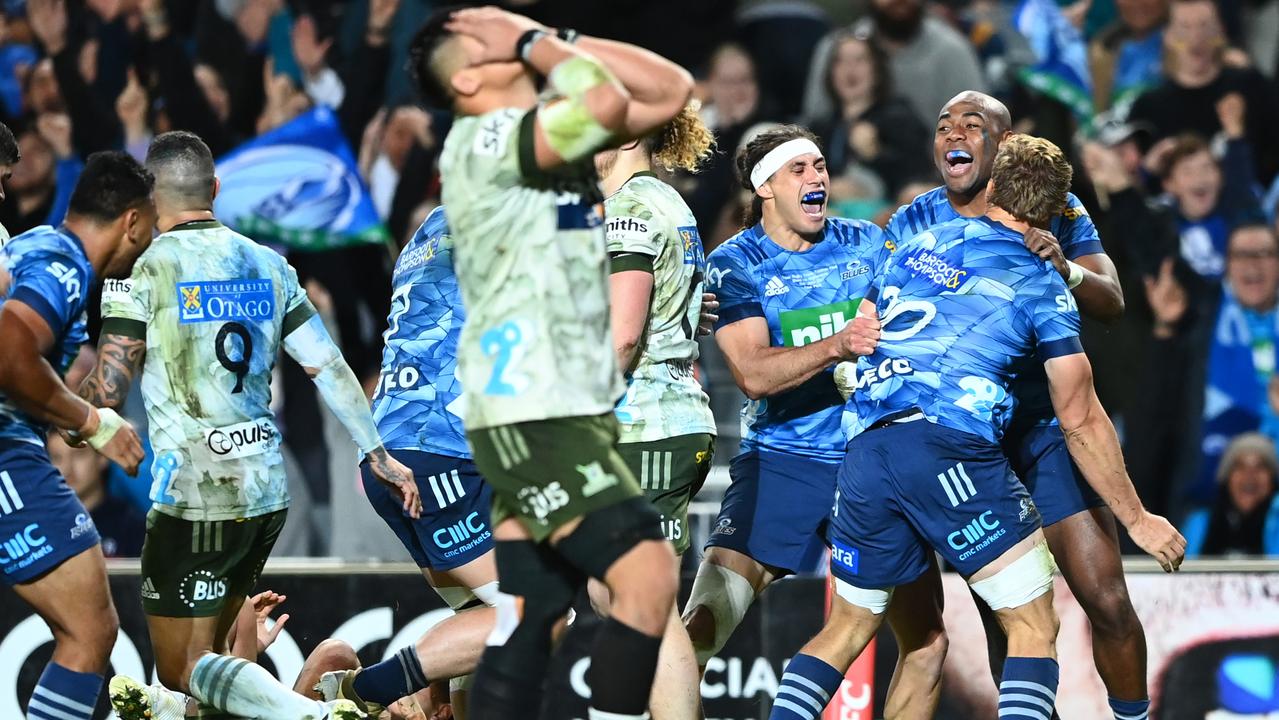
column 296, row 318
column 126, row 327
column 627, row 261
column 528, row 148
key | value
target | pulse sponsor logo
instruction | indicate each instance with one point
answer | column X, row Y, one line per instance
column 23, row 548
column 809, row 325
column 977, row 535
column 242, row 439
column 889, row 367
column 224, row 300
column 201, row 586
column 936, row 269
column 845, row 556
column 462, row 536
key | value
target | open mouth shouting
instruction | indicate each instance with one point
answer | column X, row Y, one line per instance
column 814, row 204
column 958, row 163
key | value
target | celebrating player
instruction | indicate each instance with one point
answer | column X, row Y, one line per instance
column 667, row 430
column 535, row 358
column 963, row 304
column 203, row 316
column 1080, row 529
column 51, row 556
column 416, row 410
column 789, row 287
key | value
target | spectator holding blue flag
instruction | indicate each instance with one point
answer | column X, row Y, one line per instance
column 1126, row 57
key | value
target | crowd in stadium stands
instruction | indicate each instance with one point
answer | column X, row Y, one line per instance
column 1177, row 163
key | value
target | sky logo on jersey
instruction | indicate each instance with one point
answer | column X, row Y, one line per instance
column 693, row 253
column 224, row 300
column 937, row 269
column 808, row 325
column 845, row 556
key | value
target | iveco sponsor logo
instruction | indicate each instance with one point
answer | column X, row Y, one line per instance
column 242, row 439
column 977, row 535
column 889, row 367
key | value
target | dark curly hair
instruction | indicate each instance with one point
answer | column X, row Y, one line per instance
column 753, row 152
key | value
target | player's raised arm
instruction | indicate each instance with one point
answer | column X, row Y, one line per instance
column 658, row 88
column 594, row 108
column 1094, row 447
column 308, row 342
column 761, row 369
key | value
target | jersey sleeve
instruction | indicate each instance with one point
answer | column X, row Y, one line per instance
column 53, row 285
column 127, row 304
column 1050, row 309
column 1076, row 231
column 883, row 247
column 898, row 229
column 501, row 146
column 634, row 241
column 297, row 306
column 728, row 276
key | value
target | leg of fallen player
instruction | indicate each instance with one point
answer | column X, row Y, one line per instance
column 84, row 632
column 813, row 676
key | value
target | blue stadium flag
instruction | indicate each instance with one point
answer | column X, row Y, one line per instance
column 1060, row 70
column 298, row 186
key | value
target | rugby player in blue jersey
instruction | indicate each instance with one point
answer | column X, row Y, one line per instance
column 963, row 304
column 48, row 545
column 1080, row 529
column 789, row 287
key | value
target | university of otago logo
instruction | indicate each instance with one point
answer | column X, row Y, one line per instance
column 191, row 306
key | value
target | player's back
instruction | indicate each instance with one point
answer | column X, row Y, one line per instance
column 648, row 218
column 960, row 305
column 50, row 273
column 416, row 404
column 215, row 306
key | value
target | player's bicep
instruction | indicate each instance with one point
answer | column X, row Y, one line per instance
column 311, row 345
column 24, row 326
column 53, row 290
column 1071, row 388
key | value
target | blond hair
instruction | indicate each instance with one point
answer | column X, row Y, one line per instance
column 1031, row 178
column 684, row 143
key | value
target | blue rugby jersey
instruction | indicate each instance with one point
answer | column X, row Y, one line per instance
column 961, row 305
column 804, row 297
column 417, row 401
column 1077, row 235
column 51, row 274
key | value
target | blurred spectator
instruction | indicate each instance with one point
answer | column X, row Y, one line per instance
column 1241, row 355
column 121, row 526
column 1244, row 516
column 732, row 106
column 41, row 184
column 870, row 124
column 1127, row 56
column 930, row 60
column 781, row 36
column 384, row 152
column 1197, row 78
column 1261, row 35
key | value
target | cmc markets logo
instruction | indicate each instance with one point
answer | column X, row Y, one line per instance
column 23, row 548
column 460, row 532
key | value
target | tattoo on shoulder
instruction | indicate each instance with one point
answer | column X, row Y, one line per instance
column 119, row 360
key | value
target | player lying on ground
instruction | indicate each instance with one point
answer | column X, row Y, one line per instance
column 52, row 558
column 963, row 305
column 203, row 317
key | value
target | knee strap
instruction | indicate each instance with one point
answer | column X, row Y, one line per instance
column 1025, row 579
column 727, row 596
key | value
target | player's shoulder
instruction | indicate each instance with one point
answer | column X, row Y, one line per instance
column 425, row 245
column 476, row 137
column 1074, row 208
column 742, row 250
column 859, row 233
column 917, row 215
column 42, row 244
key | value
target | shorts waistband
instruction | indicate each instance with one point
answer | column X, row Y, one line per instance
column 901, row 416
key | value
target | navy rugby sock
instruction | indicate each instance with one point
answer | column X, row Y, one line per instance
column 63, row 694
column 807, row 686
column 1029, row 687
column 1130, row 709
column 391, row 679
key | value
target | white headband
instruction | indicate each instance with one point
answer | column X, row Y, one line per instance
column 779, row 156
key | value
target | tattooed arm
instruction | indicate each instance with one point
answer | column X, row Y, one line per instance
column 119, row 360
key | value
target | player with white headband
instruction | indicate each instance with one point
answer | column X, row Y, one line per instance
column 789, row 286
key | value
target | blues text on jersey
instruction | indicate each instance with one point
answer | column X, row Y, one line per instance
column 804, row 297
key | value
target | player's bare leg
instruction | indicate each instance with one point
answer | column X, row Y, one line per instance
column 677, row 693
column 915, row 616
column 75, row 602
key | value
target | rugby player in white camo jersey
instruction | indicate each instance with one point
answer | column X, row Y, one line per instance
column 536, row 357
column 667, row 430
column 203, row 316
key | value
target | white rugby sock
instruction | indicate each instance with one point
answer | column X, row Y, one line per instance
column 246, row 689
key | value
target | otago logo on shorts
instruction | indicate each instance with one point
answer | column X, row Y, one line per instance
column 226, row 300
column 201, row 586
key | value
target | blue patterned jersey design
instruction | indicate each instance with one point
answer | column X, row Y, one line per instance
column 416, row 405
column 51, row 275
column 1074, row 230
column 961, row 305
column 804, row 297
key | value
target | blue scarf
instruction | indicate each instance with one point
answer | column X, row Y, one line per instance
column 1241, row 359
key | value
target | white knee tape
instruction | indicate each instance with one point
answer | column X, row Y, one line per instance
column 487, row 593
column 728, row 596
column 1025, row 579
column 874, row 599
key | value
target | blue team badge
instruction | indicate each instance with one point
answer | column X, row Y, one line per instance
column 693, row 253
column 224, row 300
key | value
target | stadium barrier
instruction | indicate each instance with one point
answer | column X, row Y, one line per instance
column 1212, row 630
